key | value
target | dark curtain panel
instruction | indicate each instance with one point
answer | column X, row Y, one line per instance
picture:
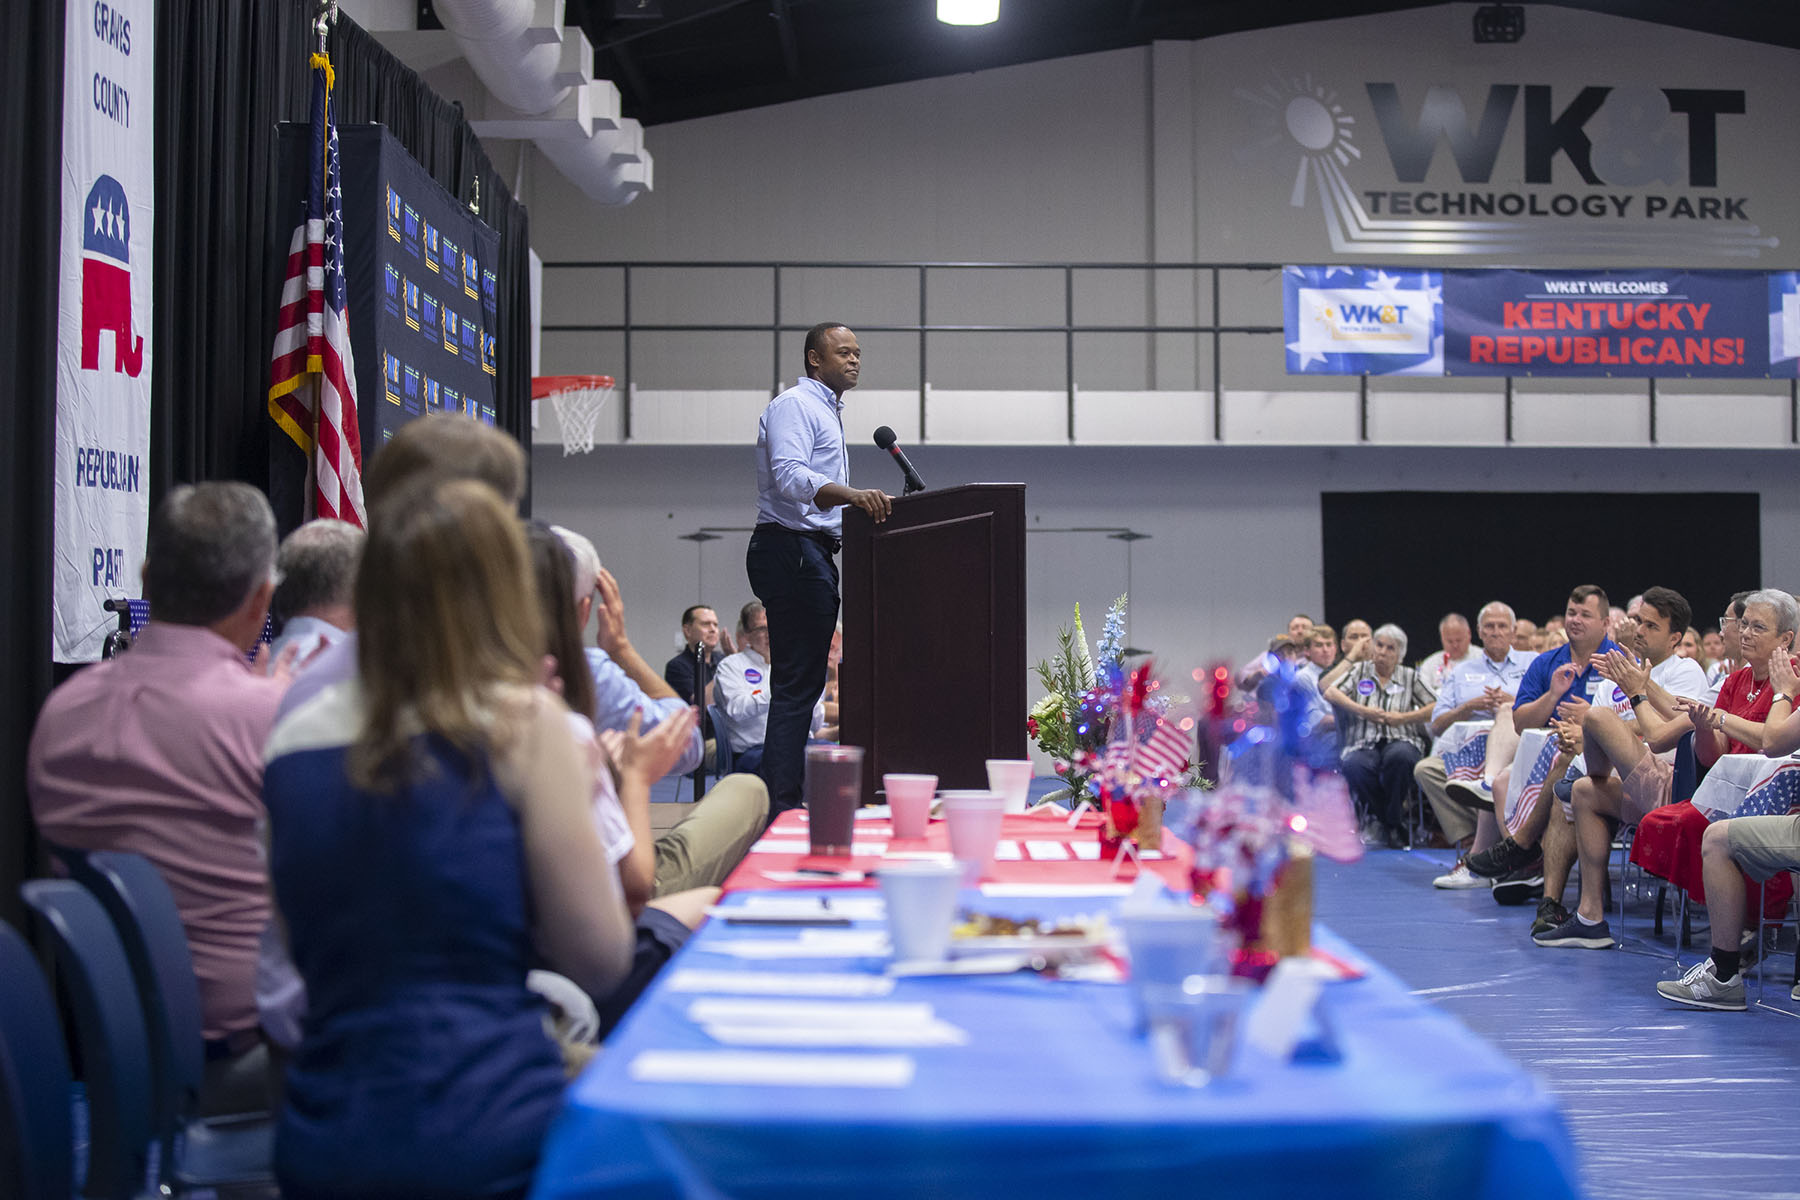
column 31, row 54
column 228, row 73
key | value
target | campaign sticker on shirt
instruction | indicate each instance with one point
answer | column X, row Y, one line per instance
column 1365, row 687
column 1618, row 695
column 752, row 674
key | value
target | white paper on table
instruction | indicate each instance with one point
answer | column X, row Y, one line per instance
column 815, row 876
column 1278, row 1016
column 1040, row 891
column 868, row 849
column 1086, row 851
column 853, row 1014
column 936, row 856
column 875, row 812
column 1150, row 855
column 759, row 904
column 931, row 1033
column 842, row 943
column 1006, row 851
column 779, row 983
column 781, row 846
column 772, row 1069
column 1048, row 851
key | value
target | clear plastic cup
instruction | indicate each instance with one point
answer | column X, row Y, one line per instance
column 909, row 802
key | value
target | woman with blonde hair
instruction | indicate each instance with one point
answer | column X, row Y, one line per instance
column 431, row 836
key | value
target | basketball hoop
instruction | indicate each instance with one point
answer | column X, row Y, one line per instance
column 578, row 400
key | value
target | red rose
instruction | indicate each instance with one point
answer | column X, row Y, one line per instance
column 1031, row 726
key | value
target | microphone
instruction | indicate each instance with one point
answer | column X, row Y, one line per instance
column 884, row 437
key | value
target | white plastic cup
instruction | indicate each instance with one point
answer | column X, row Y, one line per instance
column 1011, row 778
column 921, row 904
column 974, row 822
column 909, row 802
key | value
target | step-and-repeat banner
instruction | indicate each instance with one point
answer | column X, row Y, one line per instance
column 103, row 337
column 1636, row 324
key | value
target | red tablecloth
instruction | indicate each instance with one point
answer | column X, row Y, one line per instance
column 1668, row 846
column 873, row 838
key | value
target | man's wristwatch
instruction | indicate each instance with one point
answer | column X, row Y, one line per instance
column 1638, row 699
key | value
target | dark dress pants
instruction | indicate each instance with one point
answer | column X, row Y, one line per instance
column 1379, row 777
column 796, row 578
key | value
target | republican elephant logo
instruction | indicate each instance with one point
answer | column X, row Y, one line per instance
column 106, row 279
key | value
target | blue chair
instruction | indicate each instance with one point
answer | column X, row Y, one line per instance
column 36, row 1146
column 221, row 1152
column 109, row 1029
column 722, row 762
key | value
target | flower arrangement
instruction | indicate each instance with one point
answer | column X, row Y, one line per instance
column 1073, row 720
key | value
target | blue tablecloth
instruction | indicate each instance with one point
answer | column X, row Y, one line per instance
column 1054, row 1096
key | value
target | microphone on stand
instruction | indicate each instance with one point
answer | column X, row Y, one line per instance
column 884, row 437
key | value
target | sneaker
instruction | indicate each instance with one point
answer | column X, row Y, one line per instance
column 1795, row 993
column 1502, row 858
column 1473, row 793
column 1550, row 914
column 1459, row 878
column 1575, row 932
column 1700, row 988
column 1521, row 886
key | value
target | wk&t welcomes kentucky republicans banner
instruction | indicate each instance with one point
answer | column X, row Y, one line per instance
column 103, row 331
column 1634, row 324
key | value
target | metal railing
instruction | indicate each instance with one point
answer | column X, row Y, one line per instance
column 924, row 327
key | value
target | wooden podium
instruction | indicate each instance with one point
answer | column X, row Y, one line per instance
column 933, row 678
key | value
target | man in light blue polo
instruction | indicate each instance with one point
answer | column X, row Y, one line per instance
column 802, row 481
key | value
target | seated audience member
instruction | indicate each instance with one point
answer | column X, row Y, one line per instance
column 1322, row 650
column 312, row 605
column 1455, row 648
column 1299, row 626
column 1668, row 842
column 700, row 655
column 1356, row 650
column 159, row 752
column 1525, row 633
column 1629, row 770
column 1559, row 682
column 442, row 445
column 1317, row 723
column 1712, row 652
column 1477, row 689
column 704, row 847
column 624, row 765
column 834, row 659
column 1731, row 639
column 1382, row 708
column 743, row 686
column 1690, row 645
column 1762, row 848
column 431, row 834
column 1556, row 626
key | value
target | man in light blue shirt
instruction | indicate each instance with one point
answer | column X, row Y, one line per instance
column 802, row 481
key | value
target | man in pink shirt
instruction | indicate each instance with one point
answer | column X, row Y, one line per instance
column 160, row 752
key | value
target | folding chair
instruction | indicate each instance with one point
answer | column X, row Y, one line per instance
column 722, row 758
column 36, row 1142
column 196, row 1152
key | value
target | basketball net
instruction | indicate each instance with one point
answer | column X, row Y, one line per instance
column 578, row 400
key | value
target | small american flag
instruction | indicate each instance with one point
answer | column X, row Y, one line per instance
column 1776, row 796
column 1163, row 754
column 1465, row 762
column 1534, row 786
column 312, row 392
column 1323, row 815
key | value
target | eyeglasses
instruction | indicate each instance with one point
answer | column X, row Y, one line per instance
column 757, row 629
column 1756, row 628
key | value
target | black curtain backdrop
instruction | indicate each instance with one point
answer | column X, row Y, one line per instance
column 31, row 51
column 228, row 72
column 1411, row 557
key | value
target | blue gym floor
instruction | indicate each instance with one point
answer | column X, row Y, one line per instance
column 1661, row 1100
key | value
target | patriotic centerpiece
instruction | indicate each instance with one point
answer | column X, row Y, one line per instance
column 1255, row 833
column 1146, row 758
column 1073, row 721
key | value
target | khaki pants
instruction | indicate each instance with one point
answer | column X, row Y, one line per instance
column 710, row 841
column 1455, row 818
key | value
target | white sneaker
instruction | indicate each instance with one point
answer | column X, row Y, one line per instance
column 1460, row 878
column 1700, row 988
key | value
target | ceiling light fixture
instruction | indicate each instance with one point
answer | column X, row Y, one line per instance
column 968, row 12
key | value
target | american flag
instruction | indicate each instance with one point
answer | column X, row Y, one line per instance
column 1163, row 754
column 1534, row 785
column 1323, row 815
column 1465, row 762
column 1774, row 796
column 312, row 392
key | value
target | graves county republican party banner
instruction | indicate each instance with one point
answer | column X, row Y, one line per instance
column 1625, row 324
column 103, row 334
